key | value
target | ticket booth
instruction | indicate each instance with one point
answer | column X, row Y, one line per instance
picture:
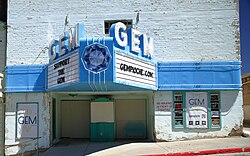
column 102, row 120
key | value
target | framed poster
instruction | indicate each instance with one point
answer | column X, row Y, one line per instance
column 196, row 110
column 27, row 120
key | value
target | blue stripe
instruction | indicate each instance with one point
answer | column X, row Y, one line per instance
column 199, row 76
column 24, row 78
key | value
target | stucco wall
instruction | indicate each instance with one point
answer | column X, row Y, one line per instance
column 231, row 118
column 194, row 30
column 10, row 120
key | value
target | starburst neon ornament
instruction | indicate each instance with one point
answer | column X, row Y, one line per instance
column 96, row 57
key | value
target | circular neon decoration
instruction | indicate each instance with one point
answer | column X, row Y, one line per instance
column 96, row 57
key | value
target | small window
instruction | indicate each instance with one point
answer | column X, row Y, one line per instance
column 108, row 23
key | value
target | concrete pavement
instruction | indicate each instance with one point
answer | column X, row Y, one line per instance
column 126, row 148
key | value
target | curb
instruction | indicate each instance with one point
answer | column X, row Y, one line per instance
column 206, row 152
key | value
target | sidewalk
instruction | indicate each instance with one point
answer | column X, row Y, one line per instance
column 219, row 145
column 179, row 146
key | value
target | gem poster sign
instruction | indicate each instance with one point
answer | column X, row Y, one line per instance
column 27, row 120
column 196, row 103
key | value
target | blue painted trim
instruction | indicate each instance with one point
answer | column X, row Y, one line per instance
column 30, row 78
column 169, row 76
column 199, row 76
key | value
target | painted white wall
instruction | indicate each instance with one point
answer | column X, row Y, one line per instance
column 231, row 114
column 194, row 30
column 10, row 121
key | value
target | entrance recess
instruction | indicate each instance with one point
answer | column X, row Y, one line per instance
column 130, row 119
column 75, row 119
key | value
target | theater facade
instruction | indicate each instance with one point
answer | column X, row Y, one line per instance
column 112, row 88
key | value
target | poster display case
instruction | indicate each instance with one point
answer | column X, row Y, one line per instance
column 178, row 110
column 196, row 110
column 215, row 110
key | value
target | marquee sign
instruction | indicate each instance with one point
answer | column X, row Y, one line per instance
column 68, row 42
column 137, row 43
column 132, row 70
column 124, row 58
column 130, row 40
column 64, row 71
column 131, row 45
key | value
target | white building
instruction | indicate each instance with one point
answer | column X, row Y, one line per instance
column 192, row 88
